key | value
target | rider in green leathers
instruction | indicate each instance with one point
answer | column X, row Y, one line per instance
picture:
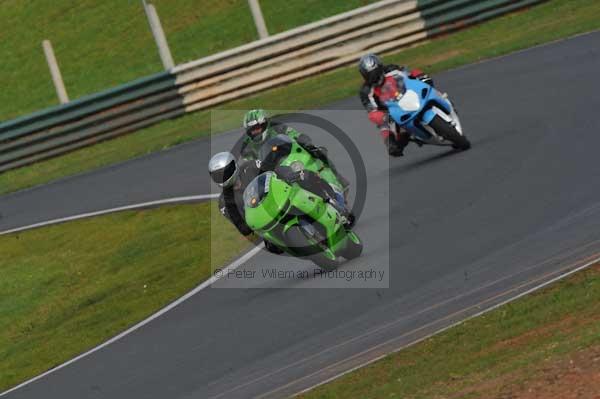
column 259, row 128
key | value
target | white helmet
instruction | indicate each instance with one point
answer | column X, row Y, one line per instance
column 223, row 169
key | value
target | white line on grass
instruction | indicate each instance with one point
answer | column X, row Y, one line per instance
column 112, row 210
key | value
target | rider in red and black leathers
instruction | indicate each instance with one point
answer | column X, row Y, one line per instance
column 374, row 72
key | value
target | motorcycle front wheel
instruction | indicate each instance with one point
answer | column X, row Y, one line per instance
column 354, row 246
column 303, row 246
column 448, row 132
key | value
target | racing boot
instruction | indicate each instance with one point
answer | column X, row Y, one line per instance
column 393, row 148
column 401, row 140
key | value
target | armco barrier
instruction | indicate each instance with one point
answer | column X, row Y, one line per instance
column 309, row 50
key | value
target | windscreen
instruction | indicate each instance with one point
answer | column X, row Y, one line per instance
column 392, row 89
column 257, row 190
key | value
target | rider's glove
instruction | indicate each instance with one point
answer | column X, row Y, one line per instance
column 422, row 76
column 296, row 177
column 319, row 153
column 377, row 117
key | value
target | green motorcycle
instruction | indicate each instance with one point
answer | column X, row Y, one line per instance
column 298, row 221
column 282, row 150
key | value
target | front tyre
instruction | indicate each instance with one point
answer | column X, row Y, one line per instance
column 448, row 132
column 354, row 247
column 304, row 246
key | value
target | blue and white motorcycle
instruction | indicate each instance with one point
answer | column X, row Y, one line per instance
column 423, row 112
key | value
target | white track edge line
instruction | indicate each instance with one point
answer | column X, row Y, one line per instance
column 522, row 294
column 234, row 265
column 111, row 210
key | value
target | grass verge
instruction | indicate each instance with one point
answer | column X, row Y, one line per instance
column 100, row 44
column 546, row 344
column 543, row 23
column 69, row 287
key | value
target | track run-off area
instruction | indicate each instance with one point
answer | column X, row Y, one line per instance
column 453, row 233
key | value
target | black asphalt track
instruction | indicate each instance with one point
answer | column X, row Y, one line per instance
column 453, row 234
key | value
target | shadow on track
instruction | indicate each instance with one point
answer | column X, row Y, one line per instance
column 407, row 167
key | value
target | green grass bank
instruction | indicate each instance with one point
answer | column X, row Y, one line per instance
column 69, row 287
column 101, row 44
column 544, row 345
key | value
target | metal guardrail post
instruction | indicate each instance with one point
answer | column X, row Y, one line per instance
column 59, row 85
column 159, row 35
column 259, row 20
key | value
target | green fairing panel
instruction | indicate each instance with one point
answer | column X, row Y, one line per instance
column 264, row 200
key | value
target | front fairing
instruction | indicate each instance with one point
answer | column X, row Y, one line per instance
column 414, row 108
column 277, row 206
column 265, row 199
column 407, row 107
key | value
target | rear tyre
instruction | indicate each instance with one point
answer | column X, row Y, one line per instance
column 304, row 247
column 447, row 131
